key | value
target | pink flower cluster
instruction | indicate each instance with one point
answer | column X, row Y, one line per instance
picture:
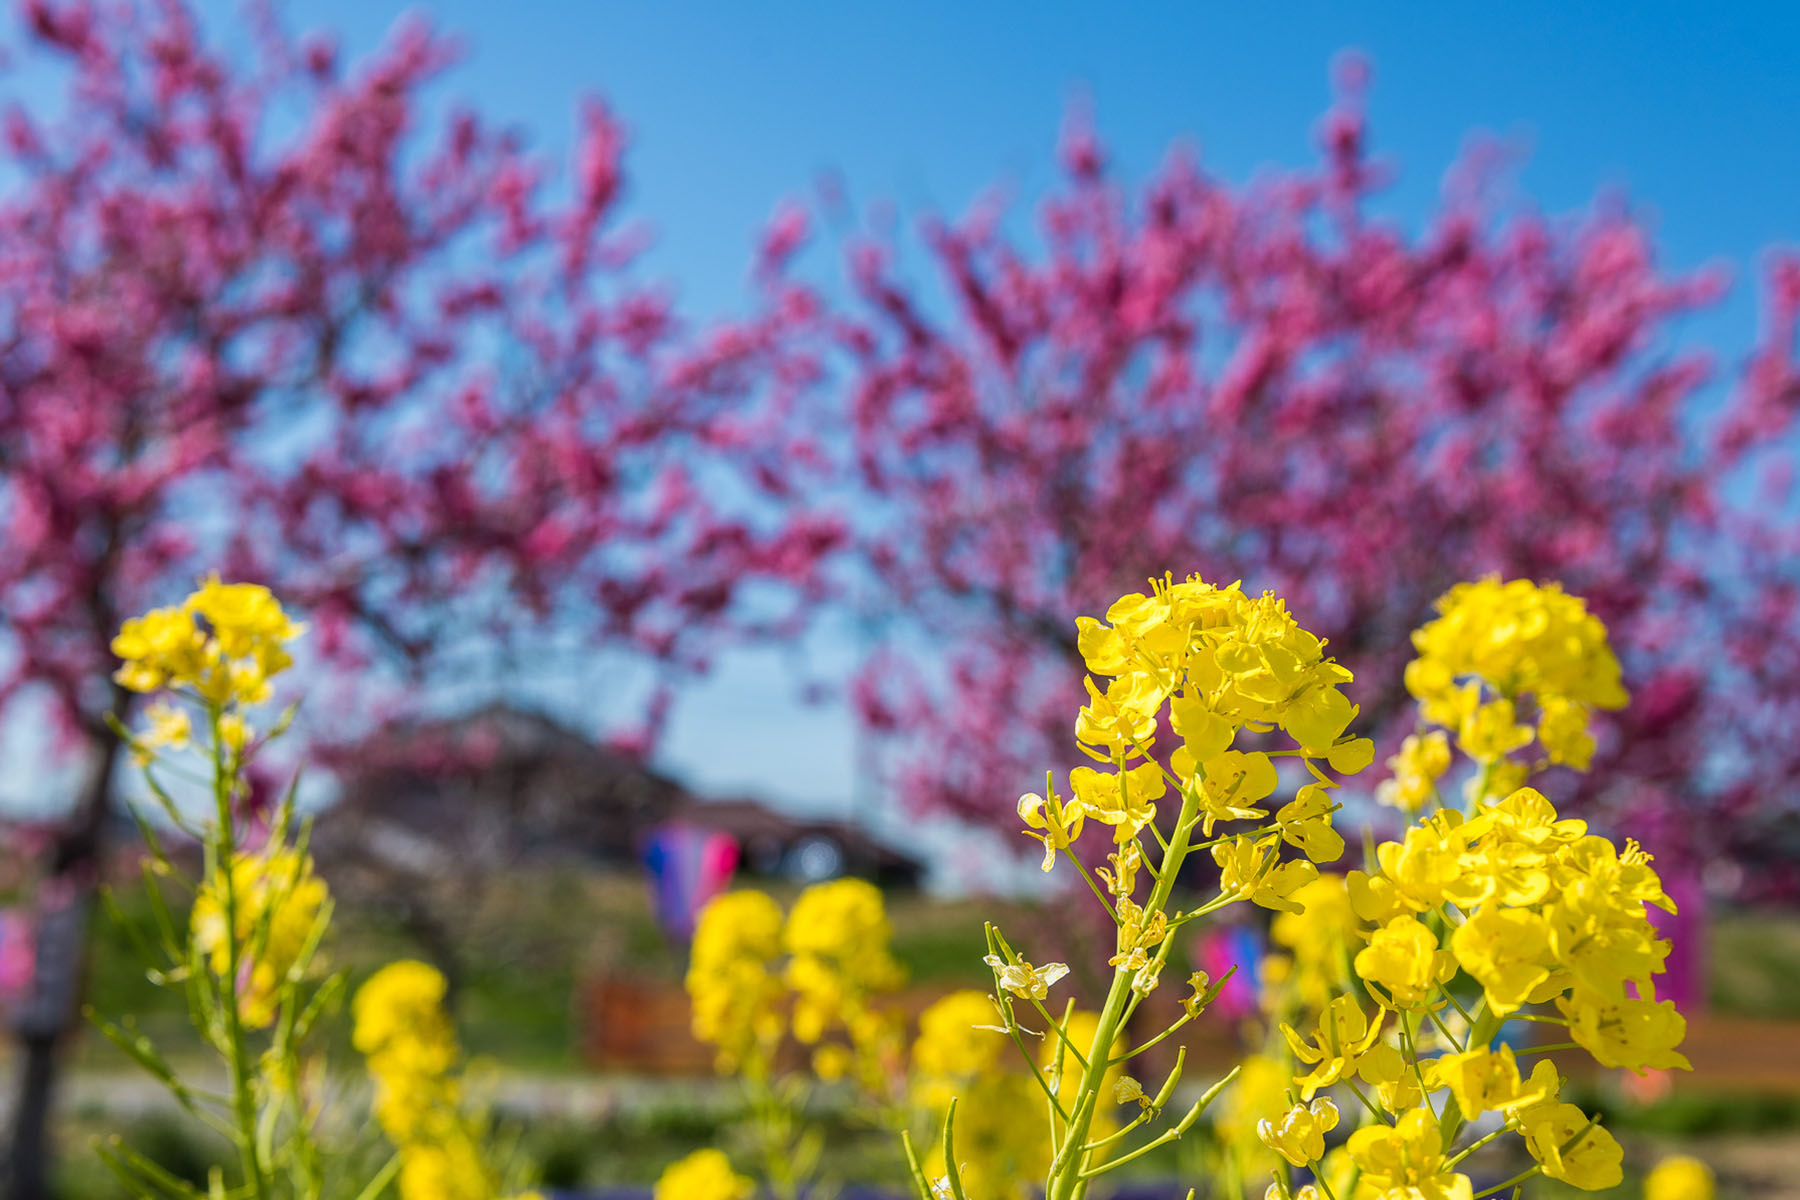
column 1268, row 382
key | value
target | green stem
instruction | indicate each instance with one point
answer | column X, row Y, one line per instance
column 1369, row 1104
column 243, row 1096
column 1410, row 1047
column 1069, row 853
column 1169, row 1032
column 1162, row 1139
column 775, row 1128
column 1515, row 1181
column 1065, row 1176
column 1445, row 1030
column 1060, row 1035
column 1119, row 1133
column 1472, row 1147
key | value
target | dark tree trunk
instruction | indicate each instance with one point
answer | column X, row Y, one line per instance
column 48, row 1014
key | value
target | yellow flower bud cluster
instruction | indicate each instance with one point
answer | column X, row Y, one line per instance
column 703, row 1175
column 837, row 938
column 1535, row 910
column 1529, row 913
column 405, row 1036
column 1679, row 1177
column 1492, row 646
column 1222, row 663
column 224, row 643
column 1221, row 660
column 835, row 941
column 276, row 900
column 733, row 983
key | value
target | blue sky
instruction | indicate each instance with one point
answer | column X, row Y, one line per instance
column 731, row 107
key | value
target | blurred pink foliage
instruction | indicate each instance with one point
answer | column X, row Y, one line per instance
column 1268, row 382
column 264, row 311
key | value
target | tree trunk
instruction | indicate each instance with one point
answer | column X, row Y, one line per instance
column 64, row 900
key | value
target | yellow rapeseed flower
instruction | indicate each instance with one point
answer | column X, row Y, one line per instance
column 278, row 899
column 1422, row 761
column 1406, row 1159
column 1299, row 1135
column 703, row 1175
column 837, row 937
column 451, row 1169
column 732, row 980
column 401, row 1028
column 1484, row 1080
column 1404, row 961
column 1574, row 1149
column 1520, row 637
column 1344, row 1035
column 223, row 645
column 1679, row 1177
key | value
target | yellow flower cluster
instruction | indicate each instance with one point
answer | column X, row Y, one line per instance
column 1219, row 664
column 1545, row 921
column 703, row 1175
column 1537, row 910
column 224, row 643
column 1517, row 640
column 819, row 972
column 277, row 901
column 1222, row 662
column 733, row 982
column 837, row 939
column 1415, row 771
column 257, row 923
column 837, row 964
column 406, row 1037
column 1221, row 659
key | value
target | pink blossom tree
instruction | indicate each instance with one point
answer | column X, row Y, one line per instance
column 1270, row 382
column 261, row 311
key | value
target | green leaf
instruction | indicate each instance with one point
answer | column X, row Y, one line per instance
column 952, row 1172
column 920, row 1184
column 142, row 1176
column 382, row 1178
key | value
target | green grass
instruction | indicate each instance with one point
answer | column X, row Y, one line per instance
column 530, row 942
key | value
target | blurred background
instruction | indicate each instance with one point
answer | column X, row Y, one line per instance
column 691, row 431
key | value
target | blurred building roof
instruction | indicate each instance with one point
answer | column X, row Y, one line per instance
column 805, row 849
column 504, row 784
